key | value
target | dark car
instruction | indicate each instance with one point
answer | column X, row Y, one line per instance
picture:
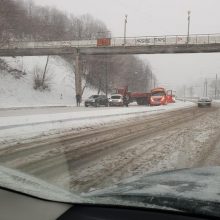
column 96, row 101
column 204, row 101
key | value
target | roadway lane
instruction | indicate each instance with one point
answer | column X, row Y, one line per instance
column 23, row 111
column 43, row 110
column 104, row 156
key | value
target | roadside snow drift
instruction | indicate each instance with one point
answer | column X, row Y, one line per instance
column 19, row 91
column 15, row 127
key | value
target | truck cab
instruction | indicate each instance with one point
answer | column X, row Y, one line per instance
column 171, row 97
column 158, row 97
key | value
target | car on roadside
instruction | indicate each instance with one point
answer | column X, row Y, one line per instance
column 204, row 101
column 116, row 100
column 96, row 101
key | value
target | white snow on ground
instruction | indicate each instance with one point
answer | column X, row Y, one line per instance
column 20, row 92
column 180, row 146
column 32, row 125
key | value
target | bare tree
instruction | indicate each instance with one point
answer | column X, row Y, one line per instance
column 45, row 23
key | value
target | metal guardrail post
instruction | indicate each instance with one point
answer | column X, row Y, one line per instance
column 196, row 39
column 165, row 40
column 176, row 39
column 208, row 39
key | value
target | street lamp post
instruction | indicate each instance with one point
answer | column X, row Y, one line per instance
column 125, row 27
column 184, row 93
column 216, row 84
column 205, row 93
column 189, row 13
column 151, row 80
column 106, row 76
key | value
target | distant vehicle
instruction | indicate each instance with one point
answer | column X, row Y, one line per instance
column 204, row 101
column 171, row 97
column 96, row 101
column 116, row 100
column 158, row 96
column 142, row 98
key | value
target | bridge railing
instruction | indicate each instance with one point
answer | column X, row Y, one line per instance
column 167, row 40
column 119, row 41
column 48, row 44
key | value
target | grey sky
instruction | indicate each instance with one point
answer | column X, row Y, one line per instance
column 157, row 17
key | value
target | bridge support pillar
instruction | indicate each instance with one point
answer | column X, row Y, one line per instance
column 78, row 77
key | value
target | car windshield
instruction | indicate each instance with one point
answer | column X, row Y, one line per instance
column 116, row 97
column 150, row 136
column 158, row 94
column 93, row 96
column 205, row 98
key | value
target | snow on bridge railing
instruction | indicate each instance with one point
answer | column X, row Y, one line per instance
column 119, row 41
column 47, row 44
column 168, row 40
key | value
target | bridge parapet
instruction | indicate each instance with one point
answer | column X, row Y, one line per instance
column 118, row 42
column 168, row 40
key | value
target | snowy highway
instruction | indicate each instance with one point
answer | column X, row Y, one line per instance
column 101, row 155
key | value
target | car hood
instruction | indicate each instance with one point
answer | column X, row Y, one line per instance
column 22, row 183
column 193, row 190
column 92, row 99
column 189, row 190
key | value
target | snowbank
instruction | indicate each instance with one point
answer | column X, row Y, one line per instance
column 20, row 93
column 32, row 125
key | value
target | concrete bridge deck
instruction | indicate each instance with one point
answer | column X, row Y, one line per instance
column 137, row 45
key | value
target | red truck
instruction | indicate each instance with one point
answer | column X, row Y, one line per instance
column 142, row 98
column 171, row 97
column 158, row 96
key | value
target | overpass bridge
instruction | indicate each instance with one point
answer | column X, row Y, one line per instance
column 197, row 43
column 200, row 43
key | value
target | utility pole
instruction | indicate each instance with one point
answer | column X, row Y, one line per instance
column 125, row 28
column 216, row 84
column 184, row 91
column 191, row 91
column 151, row 80
column 189, row 12
column 106, row 76
column 205, row 88
column 154, row 83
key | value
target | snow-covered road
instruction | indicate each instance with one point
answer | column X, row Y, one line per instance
column 103, row 155
column 16, row 124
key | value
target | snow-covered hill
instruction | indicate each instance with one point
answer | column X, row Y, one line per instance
column 15, row 91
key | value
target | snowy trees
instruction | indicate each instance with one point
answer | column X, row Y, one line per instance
column 23, row 20
column 41, row 78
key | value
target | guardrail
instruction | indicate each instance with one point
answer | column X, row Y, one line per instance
column 195, row 39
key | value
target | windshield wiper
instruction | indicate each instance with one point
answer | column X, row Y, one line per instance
column 192, row 206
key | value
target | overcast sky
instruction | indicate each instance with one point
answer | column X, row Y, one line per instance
column 157, row 17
